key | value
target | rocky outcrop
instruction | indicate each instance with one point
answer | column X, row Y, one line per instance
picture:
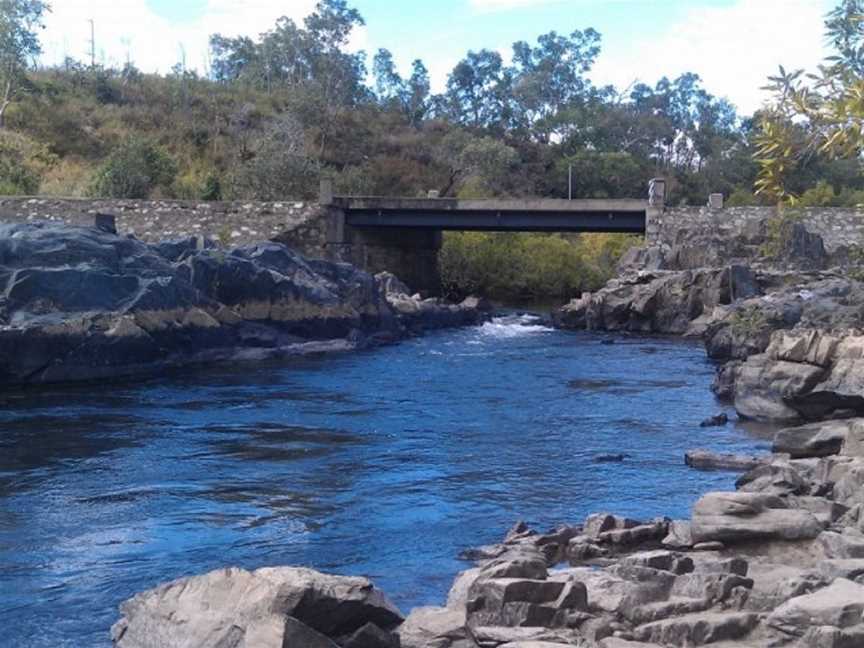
column 657, row 301
column 788, row 330
column 275, row 607
column 81, row 303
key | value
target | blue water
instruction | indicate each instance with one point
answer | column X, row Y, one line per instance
column 385, row 463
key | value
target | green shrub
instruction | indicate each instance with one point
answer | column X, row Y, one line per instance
column 749, row 322
column 134, row 170
column 22, row 164
column 535, row 267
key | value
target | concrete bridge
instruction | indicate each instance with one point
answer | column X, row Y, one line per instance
column 403, row 235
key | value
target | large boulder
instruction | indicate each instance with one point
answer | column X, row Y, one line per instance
column 840, row 605
column 813, row 440
column 274, row 607
column 736, row 517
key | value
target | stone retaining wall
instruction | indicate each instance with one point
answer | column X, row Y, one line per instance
column 234, row 223
column 838, row 227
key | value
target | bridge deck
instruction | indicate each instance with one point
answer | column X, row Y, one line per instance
column 495, row 215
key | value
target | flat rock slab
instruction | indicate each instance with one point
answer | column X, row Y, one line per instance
column 698, row 629
column 741, row 516
column 840, row 605
column 812, row 440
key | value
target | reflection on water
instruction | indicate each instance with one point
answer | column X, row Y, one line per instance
column 385, row 463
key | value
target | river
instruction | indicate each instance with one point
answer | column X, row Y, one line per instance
column 385, row 463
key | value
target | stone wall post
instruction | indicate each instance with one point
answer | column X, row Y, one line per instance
column 654, row 210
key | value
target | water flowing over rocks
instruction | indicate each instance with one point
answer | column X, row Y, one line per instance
column 778, row 562
column 79, row 303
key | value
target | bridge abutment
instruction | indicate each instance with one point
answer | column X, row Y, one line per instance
column 410, row 254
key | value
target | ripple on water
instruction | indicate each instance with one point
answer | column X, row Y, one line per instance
column 386, row 463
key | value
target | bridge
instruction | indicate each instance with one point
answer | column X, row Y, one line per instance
column 403, row 235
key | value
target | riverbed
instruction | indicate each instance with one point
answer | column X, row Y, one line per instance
column 386, row 463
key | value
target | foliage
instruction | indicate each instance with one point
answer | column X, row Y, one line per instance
column 22, row 163
column 748, row 322
column 528, row 266
column 274, row 166
column 279, row 110
column 816, row 114
column 778, row 233
column 133, row 170
column 19, row 45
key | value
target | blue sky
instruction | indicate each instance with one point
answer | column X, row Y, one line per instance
column 732, row 44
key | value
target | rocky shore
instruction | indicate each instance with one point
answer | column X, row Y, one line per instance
column 82, row 303
column 778, row 562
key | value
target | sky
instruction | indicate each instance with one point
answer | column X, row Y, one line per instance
column 732, row 44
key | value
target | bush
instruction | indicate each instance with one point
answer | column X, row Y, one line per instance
column 22, row 164
column 528, row 267
column 134, row 170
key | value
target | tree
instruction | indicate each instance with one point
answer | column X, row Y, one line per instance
column 276, row 166
column 549, row 78
column 819, row 114
column 476, row 90
column 483, row 159
column 19, row 45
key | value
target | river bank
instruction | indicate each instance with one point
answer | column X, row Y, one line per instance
column 386, row 462
column 776, row 561
column 771, row 563
column 82, row 303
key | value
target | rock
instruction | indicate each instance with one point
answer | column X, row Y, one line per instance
column 370, row 636
column 709, row 586
column 840, row 605
column 429, row 626
column 662, row 560
column 773, row 478
column 517, row 532
column 763, row 388
column 496, row 636
column 391, row 285
column 650, row 302
column 598, row 523
column 831, row 637
column 236, row 606
column 610, row 458
column 615, row 642
column 812, row 440
column 679, row 536
column 82, row 304
column 849, row 544
column 532, row 567
column 535, row 644
column 522, row 602
column 735, row 517
column 850, row 568
column 707, row 460
column 718, row 420
column 698, row 629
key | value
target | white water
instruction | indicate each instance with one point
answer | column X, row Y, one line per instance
column 513, row 326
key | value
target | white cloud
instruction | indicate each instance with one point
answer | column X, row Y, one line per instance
column 732, row 48
column 131, row 29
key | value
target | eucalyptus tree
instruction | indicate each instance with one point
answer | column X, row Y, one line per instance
column 20, row 21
